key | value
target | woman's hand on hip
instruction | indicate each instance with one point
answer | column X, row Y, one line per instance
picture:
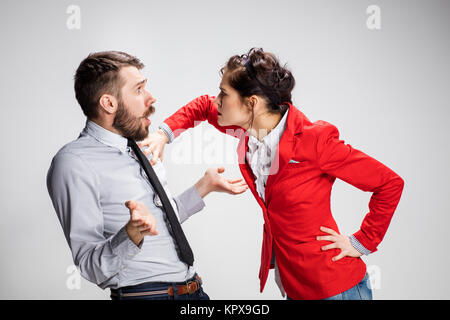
column 339, row 241
column 155, row 143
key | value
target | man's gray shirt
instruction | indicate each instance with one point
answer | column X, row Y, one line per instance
column 89, row 181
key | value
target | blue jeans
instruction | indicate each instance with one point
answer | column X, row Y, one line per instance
column 117, row 294
column 361, row 291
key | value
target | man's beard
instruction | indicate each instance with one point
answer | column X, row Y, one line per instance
column 131, row 126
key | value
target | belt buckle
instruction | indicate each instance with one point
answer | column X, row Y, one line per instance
column 190, row 287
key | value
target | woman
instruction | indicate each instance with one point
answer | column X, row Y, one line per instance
column 290, row 165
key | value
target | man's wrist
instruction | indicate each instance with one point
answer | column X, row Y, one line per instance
column 123, row 246
column 203, row 187
column 135, row 236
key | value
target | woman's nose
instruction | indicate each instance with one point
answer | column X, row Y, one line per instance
column 217, row 101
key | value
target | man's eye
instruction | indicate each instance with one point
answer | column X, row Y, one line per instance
column 138, row 90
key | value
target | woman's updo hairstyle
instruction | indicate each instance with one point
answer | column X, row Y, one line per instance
column 260, row 73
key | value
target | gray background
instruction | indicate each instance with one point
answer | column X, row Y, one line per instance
column 386, row 90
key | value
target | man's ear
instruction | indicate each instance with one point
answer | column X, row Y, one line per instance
column 108, row 103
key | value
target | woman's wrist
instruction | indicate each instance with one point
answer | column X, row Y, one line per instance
column 167, row 131
column 163, row 134
column 358, row 246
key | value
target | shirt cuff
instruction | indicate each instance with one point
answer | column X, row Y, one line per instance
column 188, row 203
column 169, row 133
column 122, row 245
column 358, row 246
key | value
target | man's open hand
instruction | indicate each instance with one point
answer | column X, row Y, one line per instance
column 213, row 181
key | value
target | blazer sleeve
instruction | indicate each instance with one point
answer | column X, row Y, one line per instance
column 342, row 161
column 198, row 110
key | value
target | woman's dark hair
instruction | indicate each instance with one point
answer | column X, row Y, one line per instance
column 260, row 73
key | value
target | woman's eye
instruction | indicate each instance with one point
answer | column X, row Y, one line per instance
column 138, row 90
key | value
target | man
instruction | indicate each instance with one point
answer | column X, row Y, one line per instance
column 118, row 217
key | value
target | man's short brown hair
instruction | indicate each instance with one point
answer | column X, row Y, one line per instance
column 98, row 74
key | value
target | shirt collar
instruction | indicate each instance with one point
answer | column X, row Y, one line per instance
column 105, row 136
column 274, row 136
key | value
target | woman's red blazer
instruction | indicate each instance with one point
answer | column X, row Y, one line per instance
column 298, row 199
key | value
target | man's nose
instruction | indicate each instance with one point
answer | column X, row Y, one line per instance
column 151, row 100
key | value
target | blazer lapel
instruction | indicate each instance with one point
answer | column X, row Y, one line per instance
column 285, row 150
column 294, row 126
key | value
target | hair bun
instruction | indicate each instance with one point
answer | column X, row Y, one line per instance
column 260, row 73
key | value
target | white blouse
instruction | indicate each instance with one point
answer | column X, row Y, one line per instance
column 260, row 156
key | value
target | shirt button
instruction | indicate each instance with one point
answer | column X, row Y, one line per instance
column 157, row 201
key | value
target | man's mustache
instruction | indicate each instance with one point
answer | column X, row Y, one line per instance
column 150, row 111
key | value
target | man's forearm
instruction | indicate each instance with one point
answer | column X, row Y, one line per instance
column 189, row 203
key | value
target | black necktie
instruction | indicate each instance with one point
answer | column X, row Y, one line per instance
column 185, row 252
